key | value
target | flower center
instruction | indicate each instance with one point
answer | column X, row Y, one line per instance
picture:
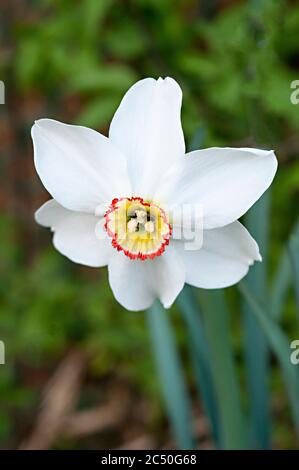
column 138, row 228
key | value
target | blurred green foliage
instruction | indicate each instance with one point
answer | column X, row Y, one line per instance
column 235, row 64
column 49, row 305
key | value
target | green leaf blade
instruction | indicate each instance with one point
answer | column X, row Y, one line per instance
column 216, row 321
column 171, row 376
column 200, row 357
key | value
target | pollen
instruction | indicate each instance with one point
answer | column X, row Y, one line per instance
column 138, row 228
column 132, row 225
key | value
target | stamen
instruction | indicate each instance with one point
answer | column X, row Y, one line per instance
column 149, row 226
column 141, row 216
column 132, row 225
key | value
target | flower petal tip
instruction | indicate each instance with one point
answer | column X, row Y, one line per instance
column 167, row 305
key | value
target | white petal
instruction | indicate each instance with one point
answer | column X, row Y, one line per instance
column 78, row 166
column 129, row 281
column 168, row 276
column 136, row 283
column 147, row 129
column 75, row 234
column 225, row 182
column 224, row 258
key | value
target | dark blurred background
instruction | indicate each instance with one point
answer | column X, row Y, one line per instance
column 79, row 371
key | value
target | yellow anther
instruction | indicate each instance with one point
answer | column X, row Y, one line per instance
column 132, row 225
column 141, row 216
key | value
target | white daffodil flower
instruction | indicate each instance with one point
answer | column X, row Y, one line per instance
column 111, row 198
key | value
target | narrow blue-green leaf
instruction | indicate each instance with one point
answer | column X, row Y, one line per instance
column 280, row 345
column 280, row 286
column 216, row 322
column 197, row 140
column 171, row 376
column 282, row 280
column 200, row 356
column 256, row 349
column 293, row 249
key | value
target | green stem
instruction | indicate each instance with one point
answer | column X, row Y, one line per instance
column 200, row 356
column 216, row 320
column 256, row 351
column 171, row 376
